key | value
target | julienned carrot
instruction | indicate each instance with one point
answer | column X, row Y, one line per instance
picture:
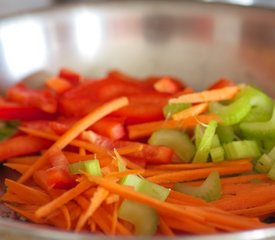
column 165, row 228
column 191, row 111
column 187, row 166
column 97, row 199
column 27, row 214
column 64, row 198
column 12, row 198
column 26, row 193
column 27, row 160
column 76, row 129
column 225, row 93
column 184, row 199
column 146, row 129
column 247, row 199
column 236, row 188
column 54, row 137
column 181, row 176
column 199, row 215
column 258, row 211
column 67, row 217
column 21, row 168
column 128, row 193
column 249, row 178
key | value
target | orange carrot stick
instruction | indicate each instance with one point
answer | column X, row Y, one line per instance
column 58, row 84
column 190, row 112
column 165, row 228
column 146, row 129
column 63, row 199
column 26, row 193
column 28, row 160
column 162, row 207
column 97, row 199
column 247, row 199
column 221, row 94
column 181, row 176
column 75, row 130
column 21, row 168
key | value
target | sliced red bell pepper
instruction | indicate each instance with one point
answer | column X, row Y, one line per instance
column 150, row 153
column 22, row 145
column 221, row 83
column 144, row 107
column 15, row 111
column 42, row 99
column 55, row 177
column 70, row 75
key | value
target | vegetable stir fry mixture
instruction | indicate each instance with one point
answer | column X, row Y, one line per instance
column 125, row 156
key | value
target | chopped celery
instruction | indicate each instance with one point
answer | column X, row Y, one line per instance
column 217, row 154
column 264, row 164
column 268, row 145
column 259, row 130
column 176, row 139
column 136, row 213
column 250, row 103
column 144, row 218
column 90, row 166
column 262, row 105
column 203, row 150
column 226, row 133
column 241, row 149
column 152, row 189
column 130, row 180
column 209, row 190
column 199, row 130
column 271, row 172
column 172, row 108
column 233, row 113
column 215, row 141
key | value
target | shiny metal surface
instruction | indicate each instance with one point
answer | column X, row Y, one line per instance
column 197, row 41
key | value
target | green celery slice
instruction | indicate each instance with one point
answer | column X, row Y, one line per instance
column 226, row 133
column 176, row 139
column 259, row 130
column 130, row 180
column 209, row 190
column 199, row 130
column 152, row 189
column 217, row 154
column 172, row 108
column 262, row 105
column 241, row 149
column 144, row 218
column 89, row 166
column 232, row 113
column 216, row 141
column 264, row 164
column 203, row 150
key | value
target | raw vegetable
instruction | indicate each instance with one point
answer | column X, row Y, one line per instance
column 102, row 156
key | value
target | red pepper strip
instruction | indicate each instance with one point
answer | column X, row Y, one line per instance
column 111, row 127
column 42, row 99
column 55, row 177
column 150, row 153
column 70, row 75
column 144, row 107
column 14, row 111
column 221, row 84
column 22, row 145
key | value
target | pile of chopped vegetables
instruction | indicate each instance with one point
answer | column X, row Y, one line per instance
column 125, row 156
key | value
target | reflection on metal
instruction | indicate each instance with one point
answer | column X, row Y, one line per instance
column 24, row 47
column 88, row 33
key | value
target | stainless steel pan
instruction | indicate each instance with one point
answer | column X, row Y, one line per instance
column 194, row 40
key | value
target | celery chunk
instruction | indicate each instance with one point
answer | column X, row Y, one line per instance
column 176, row 139
column 203, row 150
column 90, row 166
column 241, row 149
column 209, row 190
